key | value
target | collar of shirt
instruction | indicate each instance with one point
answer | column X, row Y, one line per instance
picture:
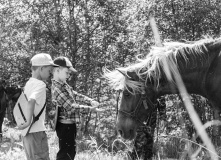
column 63, row 87
column 57, row 83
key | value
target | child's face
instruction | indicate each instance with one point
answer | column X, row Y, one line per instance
column 63, row 74
column 45, row 72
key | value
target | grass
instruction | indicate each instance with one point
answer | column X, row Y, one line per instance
column 11, row 148
column 167, row 147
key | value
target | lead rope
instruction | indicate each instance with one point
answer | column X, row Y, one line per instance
column 117, row 100
column 157, row 127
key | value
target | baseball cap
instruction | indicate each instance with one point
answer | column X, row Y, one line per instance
column 42, row 59
column 64, row 62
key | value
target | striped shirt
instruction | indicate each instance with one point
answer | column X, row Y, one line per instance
column 68, row 101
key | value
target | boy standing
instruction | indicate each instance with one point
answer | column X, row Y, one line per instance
column 35, row 142
column 65, row 96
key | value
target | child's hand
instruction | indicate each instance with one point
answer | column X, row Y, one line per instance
column 99, row 110
column 93, row 108
column 95, row 104
column 22, row 126
column 96, row 109
column 51, row 114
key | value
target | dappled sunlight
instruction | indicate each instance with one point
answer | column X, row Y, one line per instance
column 129, row 54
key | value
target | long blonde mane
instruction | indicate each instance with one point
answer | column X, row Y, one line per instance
column 152, row 65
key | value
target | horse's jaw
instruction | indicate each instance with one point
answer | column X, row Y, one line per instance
column 126, row 127
column 128, row 136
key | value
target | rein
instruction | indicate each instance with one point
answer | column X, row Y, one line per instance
column 148, row 105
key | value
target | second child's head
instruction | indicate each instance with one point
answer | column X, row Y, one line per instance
column 42, row 65
column 63, row 72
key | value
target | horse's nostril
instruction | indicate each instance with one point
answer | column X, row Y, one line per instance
column 131, row 132
column 121, row 132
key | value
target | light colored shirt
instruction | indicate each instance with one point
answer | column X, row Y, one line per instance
column 36, row 89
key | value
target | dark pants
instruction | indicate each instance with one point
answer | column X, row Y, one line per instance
column 67, row 145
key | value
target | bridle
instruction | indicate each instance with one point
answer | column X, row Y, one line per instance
column 148, row 105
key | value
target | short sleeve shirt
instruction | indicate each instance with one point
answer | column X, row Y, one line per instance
column 36, row 89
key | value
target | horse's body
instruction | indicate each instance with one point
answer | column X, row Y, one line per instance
column 8, row 98
column 199, row 65
column 3, row 106
column 13, row 93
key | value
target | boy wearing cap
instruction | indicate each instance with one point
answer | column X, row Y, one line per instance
column 68, row 116
column 35, row 142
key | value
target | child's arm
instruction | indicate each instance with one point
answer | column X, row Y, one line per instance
column 30, row 112
column 83, row 107
column 82, row 98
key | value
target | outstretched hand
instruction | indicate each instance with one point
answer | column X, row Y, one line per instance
column 95, row 104
column 22, row 126
column 99, row 110
column 96, row 109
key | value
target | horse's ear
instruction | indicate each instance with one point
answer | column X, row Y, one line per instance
column 129, row 74
column 122, row 72
column 214, row 45
column 133, row 76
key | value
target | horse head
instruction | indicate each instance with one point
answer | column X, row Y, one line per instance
column 13, row 92
column 197, row 64
column 135, row 105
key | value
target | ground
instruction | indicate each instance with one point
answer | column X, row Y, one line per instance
column 11, row 148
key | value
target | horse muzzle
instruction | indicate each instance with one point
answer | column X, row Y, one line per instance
column 127, row 130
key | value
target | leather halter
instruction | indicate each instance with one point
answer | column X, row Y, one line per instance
column 148, row 105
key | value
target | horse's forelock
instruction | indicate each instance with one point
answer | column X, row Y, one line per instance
column 134, row 86
column 118, row 81
column 115, row 79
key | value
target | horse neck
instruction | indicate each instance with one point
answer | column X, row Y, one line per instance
column 194, row 74
column 194, row 81
column 170, row 88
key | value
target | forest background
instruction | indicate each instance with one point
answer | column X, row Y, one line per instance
column 105, row 33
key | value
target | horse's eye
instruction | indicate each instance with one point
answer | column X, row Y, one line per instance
column 127, row 94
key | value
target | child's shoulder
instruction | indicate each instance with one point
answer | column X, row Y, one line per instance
column 33, row 82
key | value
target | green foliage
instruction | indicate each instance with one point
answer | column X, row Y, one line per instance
column 190, row 20
column 97, row 34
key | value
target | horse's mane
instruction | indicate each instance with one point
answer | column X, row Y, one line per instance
column 152, row 65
